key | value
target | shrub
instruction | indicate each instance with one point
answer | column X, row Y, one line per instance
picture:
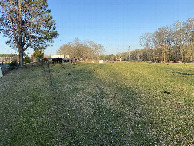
column 13, row 64
column 27, row 59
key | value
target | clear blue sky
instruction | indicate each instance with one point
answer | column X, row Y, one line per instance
column 115, row 24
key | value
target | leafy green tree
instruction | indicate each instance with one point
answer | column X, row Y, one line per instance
column 27, row 23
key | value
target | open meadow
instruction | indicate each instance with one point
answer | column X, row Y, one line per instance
column 98, row 104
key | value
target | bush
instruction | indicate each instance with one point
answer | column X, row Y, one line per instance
column 27, row 59
column 13, row 64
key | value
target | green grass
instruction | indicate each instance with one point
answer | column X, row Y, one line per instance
column 129, row 97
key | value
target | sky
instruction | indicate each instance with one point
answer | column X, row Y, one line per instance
column 116, row 24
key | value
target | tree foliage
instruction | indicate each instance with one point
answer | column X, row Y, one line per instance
column 27, row 59
column 124, row 55
column 27, row 23
column 110, row 57
column 78, row 49
column 170, row 43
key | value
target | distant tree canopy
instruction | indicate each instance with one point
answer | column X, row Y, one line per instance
column 8, row 55
column 170, row 43
column 27, row 23
column 86, row 50
column 110, row 57
column 124, row 55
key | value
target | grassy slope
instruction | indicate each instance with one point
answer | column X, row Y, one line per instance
column 128, row 96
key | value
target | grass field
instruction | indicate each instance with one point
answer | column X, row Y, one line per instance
column 98, row 104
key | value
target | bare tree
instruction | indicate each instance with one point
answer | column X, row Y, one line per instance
column 189, row 36
column 146, row 41
column 78, row 49
column 170, row 43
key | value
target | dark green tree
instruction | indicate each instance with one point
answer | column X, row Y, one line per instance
column 27, row 23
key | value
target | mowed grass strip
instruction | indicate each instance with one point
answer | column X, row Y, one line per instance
column 145, row 104
column 26, row 109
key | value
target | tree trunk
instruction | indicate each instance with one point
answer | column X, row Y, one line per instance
column 164, row 56
column 21, row 54
column 191, row 58
column 138, row 57
column 182, row 57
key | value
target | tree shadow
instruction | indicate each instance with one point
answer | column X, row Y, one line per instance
column 188, row 74
column 118, row 109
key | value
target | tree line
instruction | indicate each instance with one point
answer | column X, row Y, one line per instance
column 8, row 55
column 169, row 43
column 172, row 43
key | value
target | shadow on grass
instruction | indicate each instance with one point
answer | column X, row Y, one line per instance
column 90, row 110
column 99, row 116
column 183, row 73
